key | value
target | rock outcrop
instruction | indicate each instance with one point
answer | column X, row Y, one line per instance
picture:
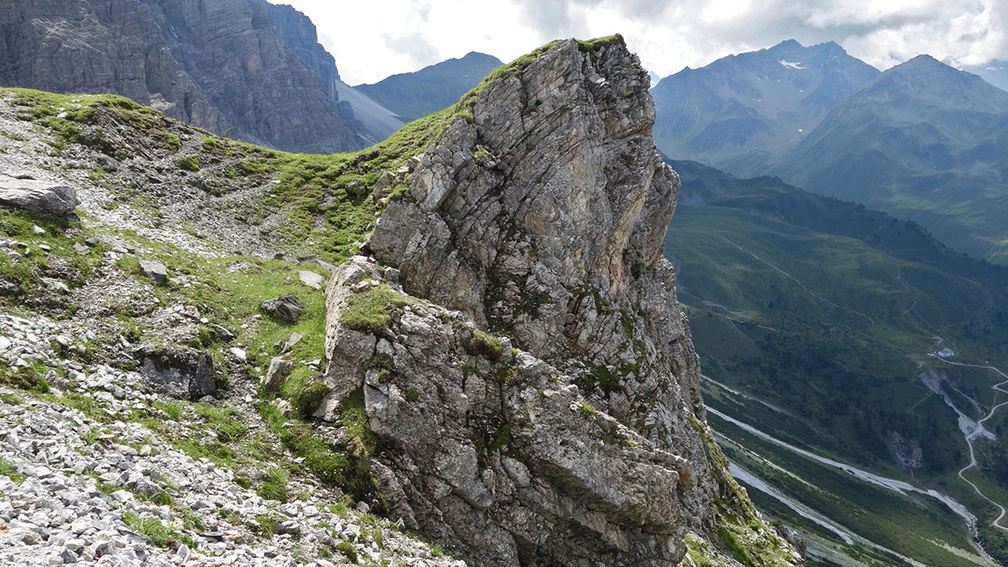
column 244, row 68
column 533, row 383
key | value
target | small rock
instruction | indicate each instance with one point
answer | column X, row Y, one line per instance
column 357, row 189
column 292, row 339
column 279, row 368
column 38, row 229
column 288, row 527
column 392, row 275
column 288, row 308
column 382, row 184
column 311, row 279
column 222, row 333
column 239, row 353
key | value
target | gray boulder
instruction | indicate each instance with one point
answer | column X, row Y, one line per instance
column 277, row 373
column 185, row 374
column 38, row 197
column 156, row 271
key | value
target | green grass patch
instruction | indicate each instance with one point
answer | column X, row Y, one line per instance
column 158, row 533
column 8, row 470
column 275, row 485
column 371, row 310
column 189, row 163
column 483, row 343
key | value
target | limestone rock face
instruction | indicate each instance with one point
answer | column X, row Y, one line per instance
column 244, row 68
column 501, row 455
column 538, row 405
column 545, row 218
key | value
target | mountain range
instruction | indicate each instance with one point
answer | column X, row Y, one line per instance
column 920, row 141
column 758, row 101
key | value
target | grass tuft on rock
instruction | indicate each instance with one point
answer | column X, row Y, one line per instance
column 371, row 310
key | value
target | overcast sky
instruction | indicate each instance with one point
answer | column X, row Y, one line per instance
column 372, row 39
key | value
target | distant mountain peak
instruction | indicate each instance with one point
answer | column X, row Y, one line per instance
column 788, row 44
column 923, row 60
column 753, row 102
column 417, row 94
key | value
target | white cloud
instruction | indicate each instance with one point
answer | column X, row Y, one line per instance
column 373, row 39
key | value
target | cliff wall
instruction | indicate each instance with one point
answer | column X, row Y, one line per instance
column 533, row 384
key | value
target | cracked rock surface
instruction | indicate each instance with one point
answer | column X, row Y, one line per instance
column 574, row 432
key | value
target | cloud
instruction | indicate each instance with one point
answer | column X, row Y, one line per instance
column 371, row 40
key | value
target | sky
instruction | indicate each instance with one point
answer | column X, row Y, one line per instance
column 374, row 39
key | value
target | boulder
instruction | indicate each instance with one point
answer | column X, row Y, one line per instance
column 38, row 197
column 277, row 373
column 311, row 279
column 184, row 373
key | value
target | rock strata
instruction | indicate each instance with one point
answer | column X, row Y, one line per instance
column 502, row 455
column 536, row 381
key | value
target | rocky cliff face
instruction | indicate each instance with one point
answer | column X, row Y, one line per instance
column 529, row 374
column 244, row 68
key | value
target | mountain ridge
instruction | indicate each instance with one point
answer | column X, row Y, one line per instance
column 417, row 94
column 244, row 68
column 756, row 101
column 919, row 142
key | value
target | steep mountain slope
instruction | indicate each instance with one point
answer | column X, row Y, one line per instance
column 553, row 409
column 761, row 100
column 921, row 142
column 417, row 94
column 244, row 68
column 814, row 318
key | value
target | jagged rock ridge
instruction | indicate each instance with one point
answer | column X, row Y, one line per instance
column 244, row 68
column 579, row 436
